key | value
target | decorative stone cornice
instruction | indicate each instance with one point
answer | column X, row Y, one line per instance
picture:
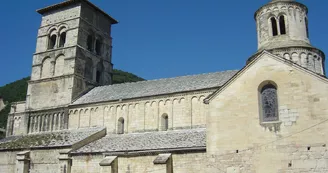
column 270, row 5
column 50, row 79
column 145, row 99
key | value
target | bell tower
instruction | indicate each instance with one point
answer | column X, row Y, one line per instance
column 73, row 54
column 282, row 29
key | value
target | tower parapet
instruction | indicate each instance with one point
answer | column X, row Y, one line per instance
column 282, row 29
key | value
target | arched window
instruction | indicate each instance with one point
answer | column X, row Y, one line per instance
column 52, row 41
column 274, row 26
column 99, row 72
column 307, row 27
column 62, row 40
column 269, row 103
column 282, row 24
column 165, row 122
column 60, row 65
column 120, row 126
column 88, row 69
column 90, row 43
column 98, row 46
column 47, row 68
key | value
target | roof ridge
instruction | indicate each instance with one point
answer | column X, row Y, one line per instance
column 160, row 79
column 159, row 132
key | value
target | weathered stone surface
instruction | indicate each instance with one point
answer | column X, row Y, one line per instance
column 227, row 134
column 47, row 140
column 146, row 142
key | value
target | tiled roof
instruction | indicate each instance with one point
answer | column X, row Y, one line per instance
column 45, row 140
column 156, row 87
column 285, row 44
column 150, row 141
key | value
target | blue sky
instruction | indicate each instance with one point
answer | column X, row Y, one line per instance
column 157, row 38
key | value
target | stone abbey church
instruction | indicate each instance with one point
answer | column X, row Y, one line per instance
column 269, row 117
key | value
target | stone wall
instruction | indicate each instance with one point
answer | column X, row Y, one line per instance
column 182, row 163
column 183, row 111
column 17, row 119
column 44, row 161
column 39, row 161
column 7, row 162
column 234, row 122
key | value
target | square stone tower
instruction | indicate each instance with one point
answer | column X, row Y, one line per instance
column 73, row 54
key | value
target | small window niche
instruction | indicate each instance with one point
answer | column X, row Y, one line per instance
column 165, row 122
column 120, row 126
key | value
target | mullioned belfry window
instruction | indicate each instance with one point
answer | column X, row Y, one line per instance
column 280, row 23
column 269, row 103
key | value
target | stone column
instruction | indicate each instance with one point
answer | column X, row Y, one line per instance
column 109, row 164
column 65, row 162
column 31, row 124
column 51, row 122
column 23, row 162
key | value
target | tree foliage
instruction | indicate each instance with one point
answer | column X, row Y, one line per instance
column 120, row 76
column 16, row 91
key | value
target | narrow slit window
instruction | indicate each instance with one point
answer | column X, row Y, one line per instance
column 307, row 27
column 62, row 40
column 282, row 24
column 274, row 26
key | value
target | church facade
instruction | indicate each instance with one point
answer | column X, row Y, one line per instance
column 269, row 117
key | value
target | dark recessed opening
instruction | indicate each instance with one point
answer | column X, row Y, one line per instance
column 290, row 164
column 282, row 25
column 62, row 40
column 237, row 151
column 274, row 26
column 308, row 148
